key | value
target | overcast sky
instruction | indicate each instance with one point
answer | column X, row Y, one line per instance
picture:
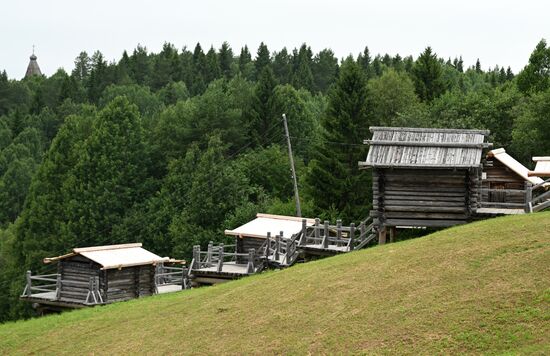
column 499, row 32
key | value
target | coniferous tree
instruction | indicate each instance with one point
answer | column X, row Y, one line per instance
column 109, row 177
column 226, row 60
column 325, row 69
column 97, row 81
column 263, row 117
column 246, row 66
column 478, row 66
column 364, row 59
column 427, row 74
column 263, row 59
column 82, row 65
column 335, row 182
column 140, row 65
column 212, row 69
column 282, row 66
column 198, row 85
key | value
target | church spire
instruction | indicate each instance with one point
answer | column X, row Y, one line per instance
column 33, row 68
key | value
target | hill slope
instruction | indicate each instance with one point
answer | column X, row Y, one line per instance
column 480, row 287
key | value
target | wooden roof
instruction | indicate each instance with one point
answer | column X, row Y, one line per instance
column 115, row 256
column 274, row 224
column 510, row 162
column 405, row 147
column 542, row 168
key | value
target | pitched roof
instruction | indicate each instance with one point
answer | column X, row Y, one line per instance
column 425, row 148
column 542, row 168
column 115, row 256
column 510, row 162
column 274, row 224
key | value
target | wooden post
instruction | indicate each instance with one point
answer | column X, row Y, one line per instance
column 209, row 252
column 393, row 233
column 58, row 287
column 250, row 268
column 351, row 236
column 220, row 256
column 196, row 257
column 382, row 235
column 317, row 231
column 338, row 231
column 362, row 231
column 528, row 197
column 292, row 169
column 304, row 231
column 267, row 245
column 326, row 235
column 277, row 244
column 29, row 283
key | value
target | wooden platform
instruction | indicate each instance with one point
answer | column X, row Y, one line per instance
column 499, row 211
column 230, row 271
column 319, row 250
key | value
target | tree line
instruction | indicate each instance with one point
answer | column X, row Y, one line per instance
column 171, row 148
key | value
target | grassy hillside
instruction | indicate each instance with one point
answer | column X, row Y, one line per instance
column 483, row 287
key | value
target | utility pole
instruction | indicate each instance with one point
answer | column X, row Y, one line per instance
column 292, row 169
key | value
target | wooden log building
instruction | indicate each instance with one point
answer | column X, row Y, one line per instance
column 424, row 177
column 95, row 275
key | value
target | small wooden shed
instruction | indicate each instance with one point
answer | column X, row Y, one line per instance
column 506, row 182
column 424, row 177
column 96, row 275
column 254, row 233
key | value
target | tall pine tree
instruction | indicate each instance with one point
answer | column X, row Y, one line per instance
column 335, row 182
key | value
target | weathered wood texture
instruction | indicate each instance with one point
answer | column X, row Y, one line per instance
column 75, row 274
column 424, row 197
column 502, row 185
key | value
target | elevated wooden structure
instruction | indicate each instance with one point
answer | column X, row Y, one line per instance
column 101, row 275
column 424, row 177
column 257, row 246
column 437, row 178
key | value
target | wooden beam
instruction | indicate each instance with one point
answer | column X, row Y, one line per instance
column 427, row 144
column 418, row 129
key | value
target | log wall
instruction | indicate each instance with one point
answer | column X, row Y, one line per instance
column 424, row 197
column 75, row 273
column 500, row 177
column 130, row 282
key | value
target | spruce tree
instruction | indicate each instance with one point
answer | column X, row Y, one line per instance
column 364, row 60
column 226, row 60
column 263, row 59
column 198, row 84
column 335, row 183
column 109, row 177
column 212, row 69
column 282, row 66
column 478, row 66
column 427, row 74
column 262, row 114
column 325, row 70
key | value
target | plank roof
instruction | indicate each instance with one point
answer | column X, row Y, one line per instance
column 425, row 148
column 274, row 224
column 542, row 168
column 115, row 256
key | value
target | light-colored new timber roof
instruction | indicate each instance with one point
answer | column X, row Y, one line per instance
column 115, row 256
column 542, row 168
column 514, row 165
column 274, row 224
column 425, row 148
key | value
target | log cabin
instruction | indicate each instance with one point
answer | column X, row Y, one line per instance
column 98, row 275
column 424, row 177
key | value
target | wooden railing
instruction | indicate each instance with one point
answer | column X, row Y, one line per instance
column 533, row 198
column 350, row 237
column 170, row 275
column 52, row 283
column 217, row 256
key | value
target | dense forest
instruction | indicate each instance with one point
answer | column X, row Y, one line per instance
column 171, row 148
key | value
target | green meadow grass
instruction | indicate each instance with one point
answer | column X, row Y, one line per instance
column 479, row 288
